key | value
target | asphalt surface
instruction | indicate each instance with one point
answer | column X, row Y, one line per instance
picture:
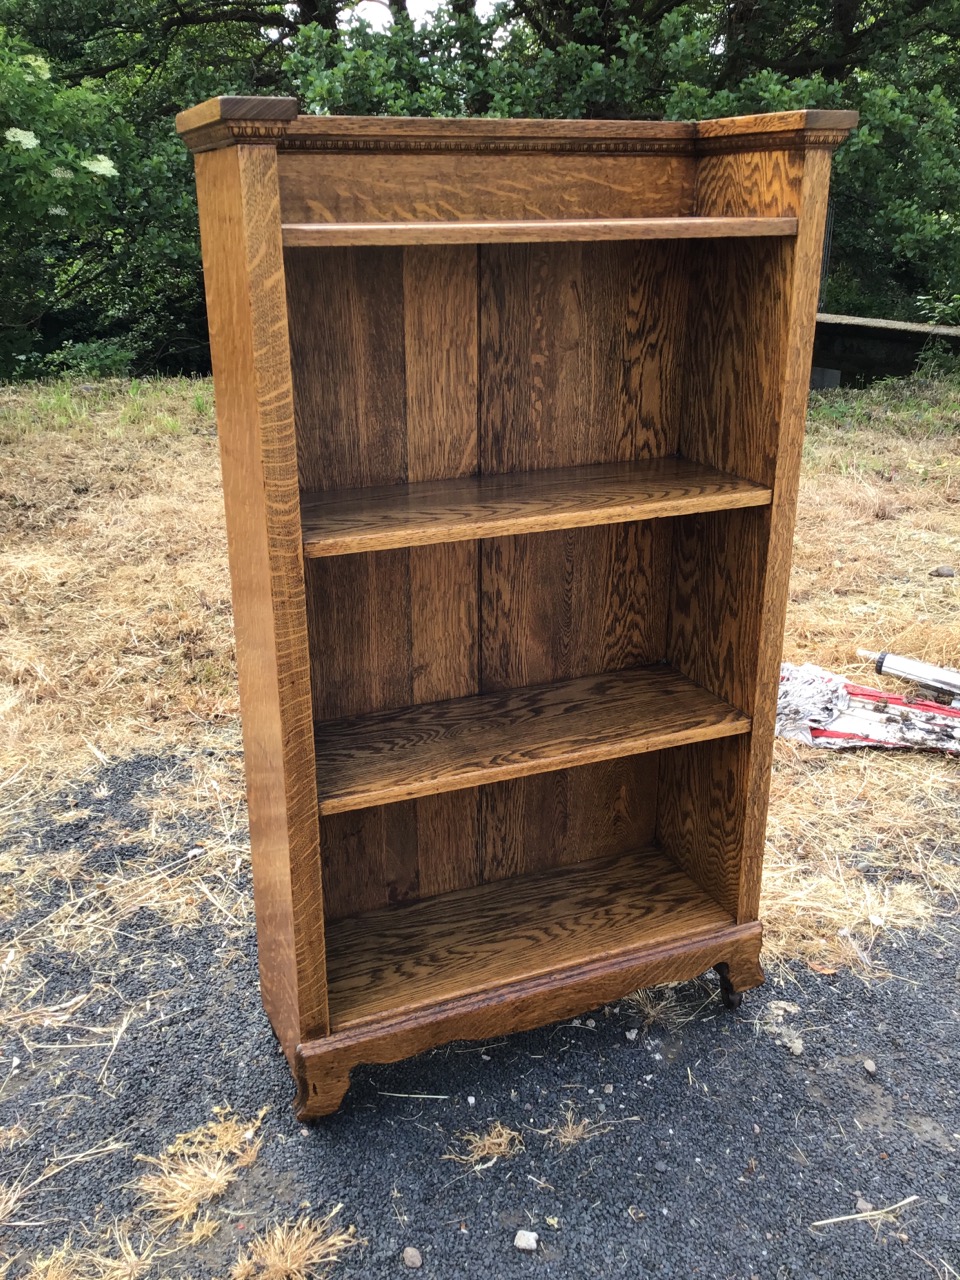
column 717, row 1148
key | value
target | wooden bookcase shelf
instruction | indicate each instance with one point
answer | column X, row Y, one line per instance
column 510, row 416
column 541, row 927
column 491, row 506
column 319, row 234
column 446, row 746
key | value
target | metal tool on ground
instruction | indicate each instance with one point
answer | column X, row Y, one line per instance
column 946, row 679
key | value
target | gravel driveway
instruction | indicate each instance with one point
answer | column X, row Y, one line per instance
column 711, row 1147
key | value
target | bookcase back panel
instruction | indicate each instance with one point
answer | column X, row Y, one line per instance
column 580, row 351
column 575, row 602
column 400, row 852
column 384, row 351
column 459, row 187
column 389, row 629
column 555, row 819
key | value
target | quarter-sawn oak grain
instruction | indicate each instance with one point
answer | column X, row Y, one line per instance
column 445, row 746
column 387, row 516
column 508, row 411
column 397, row 961
column 529, row 231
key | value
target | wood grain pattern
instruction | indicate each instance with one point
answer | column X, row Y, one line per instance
column 319, row 234
column 243, row 271
column 388, row 516
column 713, row 812
column 385, row 353
column 390, row 630
column 323, row 1066
column 493, row 758
column 446, row 746
column 579, row 344
column 473, row 131
column 556, row 606
column 565, row 817
column 232, row 108
column 399, row 853
column 481, row 938
column 461, row 186
column 579, row 348
column 775, row 122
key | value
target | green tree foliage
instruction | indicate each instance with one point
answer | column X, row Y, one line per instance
column 59, row 153
column 118, row 278
column 896, row 244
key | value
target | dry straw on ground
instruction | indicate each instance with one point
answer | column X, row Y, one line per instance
column 483, row 1149
column 295, row 1250
column 571, row 1131
column 117, row 642
column 197, row 1167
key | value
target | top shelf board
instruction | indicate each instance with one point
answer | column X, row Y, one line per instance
column 301, row 235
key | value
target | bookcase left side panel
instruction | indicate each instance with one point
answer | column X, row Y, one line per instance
column 246, row 304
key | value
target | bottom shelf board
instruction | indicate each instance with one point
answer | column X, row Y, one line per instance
column 402, row 959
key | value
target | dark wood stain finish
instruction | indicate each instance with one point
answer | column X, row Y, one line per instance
column 510, row 417
column 465, row 742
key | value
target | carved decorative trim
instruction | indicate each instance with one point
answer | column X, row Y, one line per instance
column 801, row 140
column 265, row 133
column 499, row 146
column 225, row 133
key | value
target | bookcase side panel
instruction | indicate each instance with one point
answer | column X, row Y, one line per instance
column 750, row 367
column 243, row 272
column 385, row 375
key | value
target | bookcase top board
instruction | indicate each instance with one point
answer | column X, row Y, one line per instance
column 223, row 121
column 385, row 180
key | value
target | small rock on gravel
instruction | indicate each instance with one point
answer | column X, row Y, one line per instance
column 608, row 1088
column 864, row 1206
column 869, row 1066
column 526, row 1240
column 412, row 1258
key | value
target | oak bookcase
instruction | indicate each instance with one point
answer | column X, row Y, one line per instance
column 510, row 415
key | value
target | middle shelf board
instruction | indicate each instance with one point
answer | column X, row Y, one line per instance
column 347, row 521
column 530, row 928
column 391, row 756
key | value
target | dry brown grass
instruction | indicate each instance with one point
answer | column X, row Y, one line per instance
column 114, row 595
column 119, row 1259
column 295, row 1250
column 484, row 1149
column 570, row 1131
column 862, row 846
column 116, row 640
column 661, row 1008
column 197, row 1167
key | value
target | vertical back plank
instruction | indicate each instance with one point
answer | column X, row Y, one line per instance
column 556, row 606
column 385, row 345
column 580, row 348
column 246, row 304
